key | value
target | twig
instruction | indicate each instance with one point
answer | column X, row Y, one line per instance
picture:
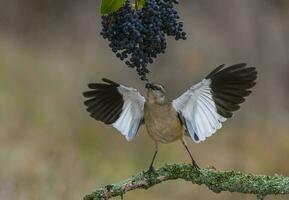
column 217, row 181
column 136, row 3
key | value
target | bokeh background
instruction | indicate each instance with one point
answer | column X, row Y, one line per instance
column 50, row 49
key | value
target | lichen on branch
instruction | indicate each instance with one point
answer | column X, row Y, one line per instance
column 217, row 181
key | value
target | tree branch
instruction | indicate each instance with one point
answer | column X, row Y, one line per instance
column 217, row 181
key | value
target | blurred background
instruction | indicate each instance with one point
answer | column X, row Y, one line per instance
column 49, row 50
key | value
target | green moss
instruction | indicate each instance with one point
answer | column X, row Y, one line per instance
column 216, row 181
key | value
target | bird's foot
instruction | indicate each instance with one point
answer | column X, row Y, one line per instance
column 196, row 166
column 151, row 170
column 150, row 173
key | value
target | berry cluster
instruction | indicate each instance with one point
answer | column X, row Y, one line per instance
column 138, row 36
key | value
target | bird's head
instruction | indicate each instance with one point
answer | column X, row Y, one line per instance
column 156, row 93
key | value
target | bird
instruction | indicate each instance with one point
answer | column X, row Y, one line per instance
column 197, row 113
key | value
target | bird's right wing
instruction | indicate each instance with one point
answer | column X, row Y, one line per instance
column 207, row 104
column 116, row 104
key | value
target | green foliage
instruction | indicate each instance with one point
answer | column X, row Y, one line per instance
column 110, row 6
column 141, row 3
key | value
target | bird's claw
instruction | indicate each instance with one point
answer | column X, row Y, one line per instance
column 151, row 170
column 196, row 166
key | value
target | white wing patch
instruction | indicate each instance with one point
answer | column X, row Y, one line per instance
column 132, row 112
column 199, row 111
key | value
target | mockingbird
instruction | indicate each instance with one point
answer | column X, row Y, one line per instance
column 198, row 113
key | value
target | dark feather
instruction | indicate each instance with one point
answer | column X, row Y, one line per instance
column 230, row 86
column 230, row 92
column 110, row 82
column 102, row 112
column 229, row 98
column 223, row 112
column 99, row 102
column 113, row 111
column 89, row 94
column 229, row 106
column 215, row 71
column 234, row 68
column 97, row 108
column 104, row 101
column 100, row 86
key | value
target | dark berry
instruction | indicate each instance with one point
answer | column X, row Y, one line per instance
column 139, row 36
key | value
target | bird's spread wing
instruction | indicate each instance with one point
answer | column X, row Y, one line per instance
column 116, row 104
column 212, row 101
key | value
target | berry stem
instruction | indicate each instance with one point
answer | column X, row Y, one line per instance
column 136, row 4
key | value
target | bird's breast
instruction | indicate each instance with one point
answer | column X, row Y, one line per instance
column 162, row 123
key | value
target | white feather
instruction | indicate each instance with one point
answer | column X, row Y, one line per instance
column 206, row 109
column 199, row 111
column 132, row 112
column 206, row 118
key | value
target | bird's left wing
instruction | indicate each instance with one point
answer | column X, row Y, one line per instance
column 207, row 104
column 116, row 104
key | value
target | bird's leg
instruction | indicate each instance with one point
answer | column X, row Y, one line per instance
column 151, row 168
column 193, row 161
